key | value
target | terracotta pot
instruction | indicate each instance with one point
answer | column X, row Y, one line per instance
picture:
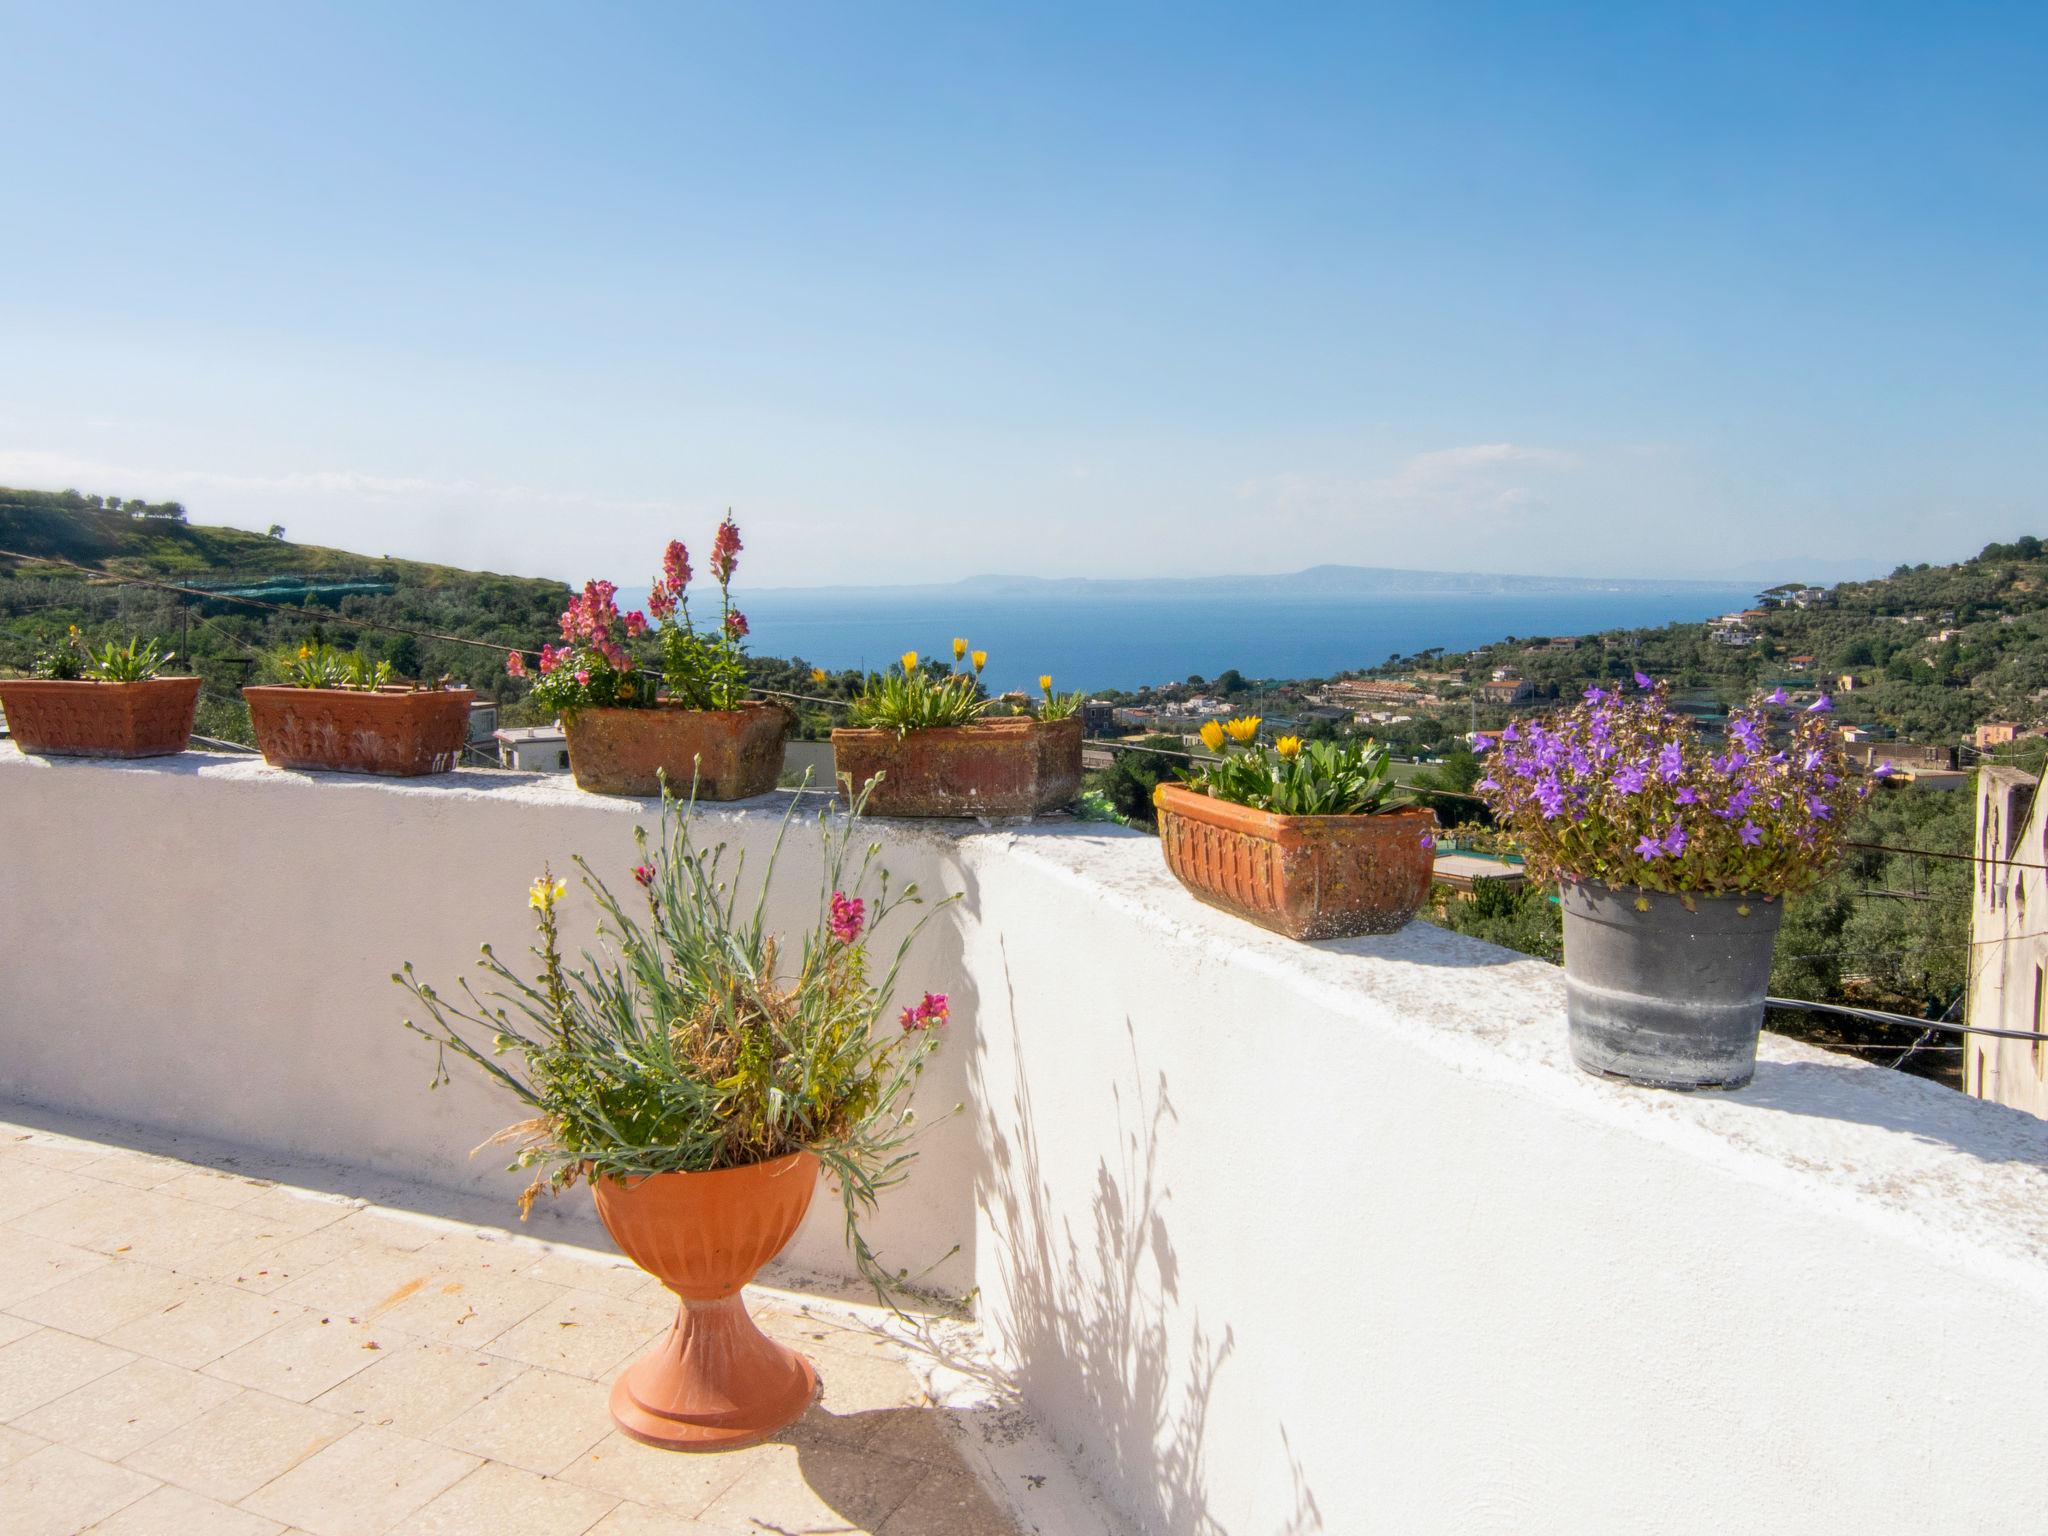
column 715, row 1382
column 733, row 754
column 394, row 732
column 1009, row 767
column 152, row 718
column 1309, row 877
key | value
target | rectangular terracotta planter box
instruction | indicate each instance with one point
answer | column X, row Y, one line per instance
column 729, row 754
column 1309, row 877
column 394, row 732
column 85, row 718
column 993, row 768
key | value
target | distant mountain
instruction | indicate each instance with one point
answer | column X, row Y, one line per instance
column 1317, row 582
column 1764, row 574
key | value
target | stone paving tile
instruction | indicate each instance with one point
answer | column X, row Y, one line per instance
column 541, row 1421
column 803, row 1488
column 229, row 1452
column 166, row 1316
column 30, row 1265
column 364, row 1484
column 41, row 1367
column 638, row 1473
column 127, row 1409
column 202, row 1323
column 497, row 1500
column 314, row 1353
column 180, row 1512
column 417, row 1388
column 59, row 1491
column 584, row 1333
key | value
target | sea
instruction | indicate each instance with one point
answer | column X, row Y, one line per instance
column 1091, row 643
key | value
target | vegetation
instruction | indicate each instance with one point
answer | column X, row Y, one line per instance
column 1288, row 778
column 73, row 661
column 691, row 1044
column 924, row 694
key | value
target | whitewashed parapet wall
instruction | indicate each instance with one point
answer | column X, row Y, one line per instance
column 1276, row 1238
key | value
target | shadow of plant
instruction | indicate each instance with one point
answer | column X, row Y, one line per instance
column 1093, row 1315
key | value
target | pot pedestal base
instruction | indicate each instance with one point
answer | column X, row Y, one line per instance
column 714, row 1383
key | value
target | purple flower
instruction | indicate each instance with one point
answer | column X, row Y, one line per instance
column 1674, row 840
column 1818, row 808
column 1429, row 840
column 1670, row 762
column 1750, row 833
column 1777, row 696
column 1482, row 743
column 1550, row 795
column 1596, row 695
column 1820, row 706
column 1688, row 796
column 1643, row 680
column 1511, row 734
column 1883, row 770
column 1648, row 848
column 1631, row 779
column 1483, row 785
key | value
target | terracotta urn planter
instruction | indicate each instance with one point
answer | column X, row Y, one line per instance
column 1006, row 767
column 150, row 718
column 395, row 732
column 715, row 1382
column 1309, row 877
column 731, row 754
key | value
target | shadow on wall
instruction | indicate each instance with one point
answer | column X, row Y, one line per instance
column 1090, row 1323
column 1912, row 1106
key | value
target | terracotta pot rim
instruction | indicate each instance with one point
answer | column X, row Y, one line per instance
column 360, row 693
column 1000, row 723
column 669, row 706
column 1235, row 811
column 100, row 682
column 772, row 1167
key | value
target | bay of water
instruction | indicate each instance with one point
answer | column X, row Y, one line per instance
column 1129, row 642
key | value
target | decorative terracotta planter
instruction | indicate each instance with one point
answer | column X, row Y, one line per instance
column 151, row 718
column 1309, row 877
column 715, row 1382
column 394, row 732
column 732, row 754
column 1010, row 767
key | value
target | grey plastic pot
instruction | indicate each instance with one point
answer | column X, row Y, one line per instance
column 1661, row 995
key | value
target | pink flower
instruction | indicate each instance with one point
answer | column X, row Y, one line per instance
column 725, row 551
column 515, row 664
column 736, row 624
column 636, row 623
column 675, row 569
column 934, row 1009
column 848, row 916
column 583, row 677
column 550, row 658
column 644, row 873
column 659, row 603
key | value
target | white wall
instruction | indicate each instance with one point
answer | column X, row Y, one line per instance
column 1278, row 1237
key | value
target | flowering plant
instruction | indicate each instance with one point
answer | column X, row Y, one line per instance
column 701, row 669
column 923, row 695
column 1623, row 790
column 691, row 1043
column 74, row 660
column 1290, row 778
column 322, row 666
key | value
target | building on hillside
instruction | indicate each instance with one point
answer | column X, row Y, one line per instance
column 1098, row 717
column 1995, row 733
column 2008, row 945
column 1507, row 690
column 1560, row 643
column 1865, row 752
column 533, row 748
column 1807, row 597
column 1360, row 691
column 1799, row 663
column 1846, row 683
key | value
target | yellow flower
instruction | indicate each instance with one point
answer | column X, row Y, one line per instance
column 818, row 674
column 74, row 629
column 1243, row 729
column 910, row 661
column 546, row 893
column 1288, row 746
column 305, row 651
column 980, row 660
column 1212, row 736
column 959, row 647
column 1045, row 682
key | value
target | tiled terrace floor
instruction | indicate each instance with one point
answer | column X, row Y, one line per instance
column 183, row 1350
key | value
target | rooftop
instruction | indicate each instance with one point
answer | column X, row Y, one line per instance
column 1254, row 1236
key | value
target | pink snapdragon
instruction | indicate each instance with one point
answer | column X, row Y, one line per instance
column 934, row 1009
column 552, row 657
column 659, row 602
column 736, row 625
column 515, row 664
column 725, row 551
column 675, row 569
column 848, row 916
column 636, row 624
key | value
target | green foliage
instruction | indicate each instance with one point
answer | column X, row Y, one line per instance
column 1293, row 778
column 1128, row 782
column 689, row 1042
column 921, row 695
column 135, row 662
column 322, row 666
column 1524, row 919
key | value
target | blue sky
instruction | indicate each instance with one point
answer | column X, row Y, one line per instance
column 927, row 291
